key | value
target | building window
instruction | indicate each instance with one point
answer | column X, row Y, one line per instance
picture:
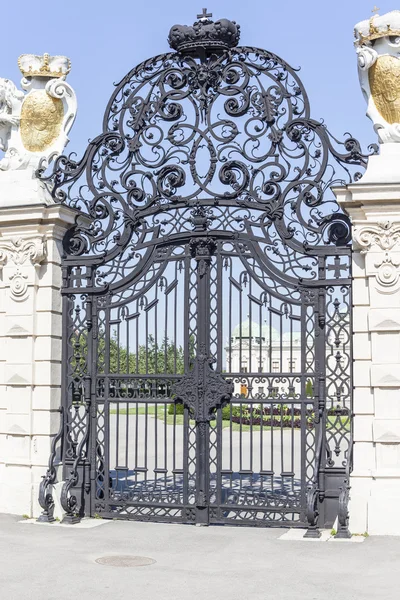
column 275, row 366
column 292, row 365
column 273, row 392
column 244, row 364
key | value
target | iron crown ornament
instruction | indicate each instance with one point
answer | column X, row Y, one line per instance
column 204, row 35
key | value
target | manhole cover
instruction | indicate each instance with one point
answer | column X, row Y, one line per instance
column 125, row 561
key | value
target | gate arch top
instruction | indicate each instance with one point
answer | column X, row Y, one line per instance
column 212, row 137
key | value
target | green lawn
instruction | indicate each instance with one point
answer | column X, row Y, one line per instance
column 140, row 411
column 151, row 411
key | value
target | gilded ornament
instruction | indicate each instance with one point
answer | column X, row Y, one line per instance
column 377, row 27
column 41, row 120
column 33, row 65
column 384, row 80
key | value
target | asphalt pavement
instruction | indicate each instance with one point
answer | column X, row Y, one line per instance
column 46, row 562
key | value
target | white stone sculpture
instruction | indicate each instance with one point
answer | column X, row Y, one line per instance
column 378, row 49
column 34, row 126
column 10, row 109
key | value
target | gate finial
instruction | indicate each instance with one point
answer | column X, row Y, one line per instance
column 204, row 15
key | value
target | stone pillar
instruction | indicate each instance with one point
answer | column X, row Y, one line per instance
column 31, row 230
column 374, row 207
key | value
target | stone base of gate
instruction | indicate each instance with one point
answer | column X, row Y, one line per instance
column 31, row 230
column 374, row 207
column 297, row 535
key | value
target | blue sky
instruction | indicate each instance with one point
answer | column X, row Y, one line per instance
column 105, row 39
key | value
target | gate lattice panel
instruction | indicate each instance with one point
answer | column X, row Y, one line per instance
column 207, row 296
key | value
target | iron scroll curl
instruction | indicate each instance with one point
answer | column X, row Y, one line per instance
column 46, row 499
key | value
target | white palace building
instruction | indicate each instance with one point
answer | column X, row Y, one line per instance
column 255, row 349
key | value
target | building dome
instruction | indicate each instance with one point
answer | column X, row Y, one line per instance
column 295, row 337
column 243, row 331
column 268, row 332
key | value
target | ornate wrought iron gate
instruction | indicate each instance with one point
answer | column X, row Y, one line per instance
column 207, row 295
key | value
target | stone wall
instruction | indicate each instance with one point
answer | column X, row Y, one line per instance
column 30, row 346
column 375, row 482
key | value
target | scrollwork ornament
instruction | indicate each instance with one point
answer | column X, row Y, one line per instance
column 382, row 236
column 203, row 389
column 312, row 512
column 215, row 133
column 202, row 250
column 385, row 235
column 46, row 499
column 68, row 499
column 343, row 512
column 19, row 250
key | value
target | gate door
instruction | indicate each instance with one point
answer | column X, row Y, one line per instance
column 207, row 295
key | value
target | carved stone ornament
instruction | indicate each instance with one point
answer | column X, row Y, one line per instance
column 388, row 272
column 378, row 49
column 385, row 235
column 18, row 285
column 34, row 127
column 19, row 250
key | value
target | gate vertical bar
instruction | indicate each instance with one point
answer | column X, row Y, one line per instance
column 316, row 491
column 93, row 357
column 203, row 258
column 303, row 405
column 187, row 359
column 321, row 366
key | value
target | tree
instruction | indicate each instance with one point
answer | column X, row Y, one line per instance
column 151, row 359
column 309, row 389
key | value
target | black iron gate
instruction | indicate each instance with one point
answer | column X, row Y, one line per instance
column 207, row 297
